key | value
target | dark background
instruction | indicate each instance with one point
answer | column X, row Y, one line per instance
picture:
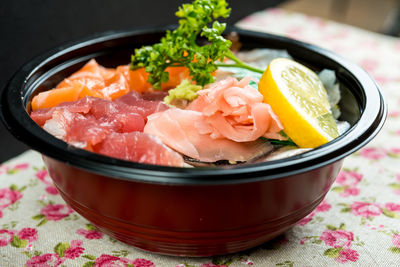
column 31, row 27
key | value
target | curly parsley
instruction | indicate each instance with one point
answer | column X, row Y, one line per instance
column 180, row 47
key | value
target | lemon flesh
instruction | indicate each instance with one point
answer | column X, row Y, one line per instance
column 299, row 98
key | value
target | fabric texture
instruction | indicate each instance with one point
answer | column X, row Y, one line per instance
column 358, row 223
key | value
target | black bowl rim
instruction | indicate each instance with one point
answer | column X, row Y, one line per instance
column 18, row 122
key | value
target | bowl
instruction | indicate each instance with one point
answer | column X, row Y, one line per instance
column 190, row 211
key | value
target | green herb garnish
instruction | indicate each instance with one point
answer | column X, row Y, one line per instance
column 288, row 142
column 181, row 47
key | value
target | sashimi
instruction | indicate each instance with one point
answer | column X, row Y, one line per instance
column 108, row 83
column 132, row 102
column 139, row 147
column 84, row 105
column 177, row 128
column 111, row 128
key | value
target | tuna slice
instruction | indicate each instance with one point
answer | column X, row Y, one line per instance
column 177, row 128
column 139, row 147
column 112, row 128
column 132, row 102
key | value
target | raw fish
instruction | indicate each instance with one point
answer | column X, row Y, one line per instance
column 225, row 122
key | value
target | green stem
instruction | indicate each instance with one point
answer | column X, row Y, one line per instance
column 239, row 64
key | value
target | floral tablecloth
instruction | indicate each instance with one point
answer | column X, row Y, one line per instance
column 357, row 224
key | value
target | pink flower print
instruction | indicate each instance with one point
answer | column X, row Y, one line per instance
column 75, row 250
column 394, row 113
column 324, row 206
column 21, row 166
column 346, row 255
column 143, row 263
column 90, row 234
column 337, row 238
column 369, row 64
column 365, row 209
column 303, row 240
column 8, row 197
column 3, row 169
column 45, row 260
column 41, row 175
column 349, row 178
column 396, row 240
column 373, row 153
column 44, row 176
column 307, row 219
column 29, row 234
column 52, row 190
column 6, row 236
column 392, row 207
column 29, row 247
column 352, row 191
column 56, row 212
column 108, row 260
column 348, row 181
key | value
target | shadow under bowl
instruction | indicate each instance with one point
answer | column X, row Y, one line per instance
column 190, row 211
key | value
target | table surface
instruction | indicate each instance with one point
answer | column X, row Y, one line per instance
column 358, row 223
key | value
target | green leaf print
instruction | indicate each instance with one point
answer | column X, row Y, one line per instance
column 316, row 241
column 339, row 189
column 393, row 155
column 346, row 209
column 395, row 186
column 120, row 253
column 221, row 261
column 394, row 250
column 60, row 248
column 38, row 217
column 19, row 243
column 286, row 264
column 331, row 227
column 89, row 264
column 42, row 222
column 332, row 252
column 89, row 257
column 13, row 187
column 90, row 227
column 342, row 226
column 10, row 225
column 390, row 214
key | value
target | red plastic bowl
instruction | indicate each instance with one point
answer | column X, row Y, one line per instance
column 190, row 211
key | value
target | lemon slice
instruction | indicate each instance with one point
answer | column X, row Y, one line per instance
column 298, row 97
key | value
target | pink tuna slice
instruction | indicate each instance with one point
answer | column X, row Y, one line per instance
column 177, row 128
column 40, row 116
column 132, row 102
column 148, row 106
column 139, row 147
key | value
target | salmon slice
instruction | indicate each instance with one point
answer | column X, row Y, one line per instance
column 107, row 83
